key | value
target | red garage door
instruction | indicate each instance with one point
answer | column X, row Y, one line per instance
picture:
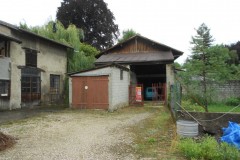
column 90, row 92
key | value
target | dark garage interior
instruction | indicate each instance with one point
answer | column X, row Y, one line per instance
column 149, row 75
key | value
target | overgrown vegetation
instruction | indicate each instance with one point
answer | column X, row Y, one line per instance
column 207, row 148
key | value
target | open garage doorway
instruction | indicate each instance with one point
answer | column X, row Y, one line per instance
column 153, row 79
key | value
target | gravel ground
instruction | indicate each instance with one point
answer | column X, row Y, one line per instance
column 73, row 135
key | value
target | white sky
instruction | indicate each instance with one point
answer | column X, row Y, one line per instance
column 170, row 22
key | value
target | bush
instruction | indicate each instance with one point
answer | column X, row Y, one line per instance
column 189, row 106
column 207, row 149
column 233, row 101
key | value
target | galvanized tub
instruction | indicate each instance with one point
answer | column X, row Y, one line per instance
column 187, row 128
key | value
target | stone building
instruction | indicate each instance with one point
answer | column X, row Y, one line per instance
column 32, row 68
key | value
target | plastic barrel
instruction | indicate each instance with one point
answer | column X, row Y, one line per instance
column 187, row 128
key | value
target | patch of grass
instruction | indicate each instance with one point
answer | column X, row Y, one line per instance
column 211, row 108
column 207, row 148
column 153, row 136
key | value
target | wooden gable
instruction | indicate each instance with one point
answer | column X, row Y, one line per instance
column 138, row 49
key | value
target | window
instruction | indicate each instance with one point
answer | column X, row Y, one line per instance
column 54, row 83
column 4, row 48
column 121, row 74
column 31, row 58
column 4, row 88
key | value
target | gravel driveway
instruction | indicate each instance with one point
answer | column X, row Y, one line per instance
column 73, row 135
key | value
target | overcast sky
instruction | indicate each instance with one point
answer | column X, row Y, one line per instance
column 170, row 22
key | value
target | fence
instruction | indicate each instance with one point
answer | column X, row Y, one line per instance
column 175, row 97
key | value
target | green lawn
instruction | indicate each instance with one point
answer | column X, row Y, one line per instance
column 212, row 107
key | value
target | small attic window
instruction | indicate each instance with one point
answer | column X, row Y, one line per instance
column 121, row 74
column 4, row 48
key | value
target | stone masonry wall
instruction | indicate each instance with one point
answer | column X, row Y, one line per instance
column 227, row 90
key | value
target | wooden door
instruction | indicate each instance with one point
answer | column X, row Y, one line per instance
column 90, row 92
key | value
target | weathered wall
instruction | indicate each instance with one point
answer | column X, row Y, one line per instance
column 214, row 126
column 52, row 59
column 169, row 78
column 17, row 56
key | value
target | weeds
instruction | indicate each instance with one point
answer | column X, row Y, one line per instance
column 207, row 149
column 153, row 137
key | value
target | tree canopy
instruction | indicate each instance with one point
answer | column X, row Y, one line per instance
column 126, row 34
column 235, row 56
column 93, row 17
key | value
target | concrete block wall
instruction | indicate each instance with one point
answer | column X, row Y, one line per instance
column 120, row 91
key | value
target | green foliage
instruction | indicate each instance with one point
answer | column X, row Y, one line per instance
column 217, row 107
column 235, row 55
column 233, row 101
column 93, row 17
column 191, row 106
column 206, row 67
column 201, row 41
column 81, row 57
column 126, row 34
column 152, row 140
column 207, row 149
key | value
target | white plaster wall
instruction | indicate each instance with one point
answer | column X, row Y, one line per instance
column 17, row 56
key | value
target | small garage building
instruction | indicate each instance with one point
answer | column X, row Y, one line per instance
column 150, row 65
column 103, row 87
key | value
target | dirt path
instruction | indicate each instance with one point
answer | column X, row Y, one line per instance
column 73, row 135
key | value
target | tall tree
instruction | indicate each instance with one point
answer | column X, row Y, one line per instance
column 201, row 42
column 206, row 66
column 93, row 17
column 126, row 34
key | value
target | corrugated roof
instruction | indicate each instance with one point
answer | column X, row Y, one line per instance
column 136, row 57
